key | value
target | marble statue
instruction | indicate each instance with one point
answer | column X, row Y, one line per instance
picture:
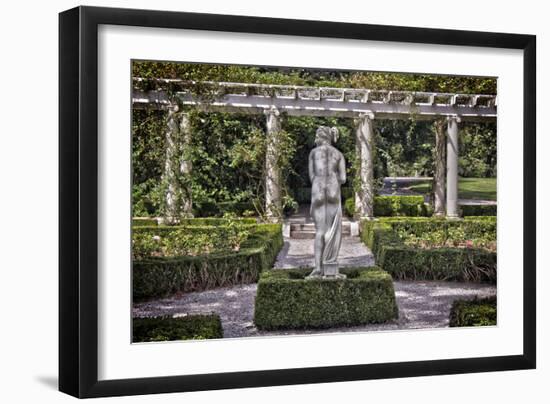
column 327, row 172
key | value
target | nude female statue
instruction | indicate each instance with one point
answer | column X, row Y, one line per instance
column 327, row 172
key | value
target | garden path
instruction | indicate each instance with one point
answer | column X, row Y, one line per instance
column 422, row 304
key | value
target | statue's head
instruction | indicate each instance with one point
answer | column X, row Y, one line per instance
column 326, row 135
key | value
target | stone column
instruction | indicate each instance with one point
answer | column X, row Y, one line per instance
column 364, row 132
column 273, row 206
column 452, row 166
column 176, row 169
column 439, row 168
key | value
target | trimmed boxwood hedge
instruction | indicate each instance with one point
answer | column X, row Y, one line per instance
column 444, row 263
column 166, row 328
column 285, row 300
column 163, row 276
column 198, row 225
column 479, row 210
column 144, row 221
column 410, row 205
column 195, row 221
column 474, row 313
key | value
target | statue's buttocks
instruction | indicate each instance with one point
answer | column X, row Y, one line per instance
column 327, row 171
column 325, row 182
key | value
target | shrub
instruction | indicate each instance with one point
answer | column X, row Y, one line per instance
column 285, row 300
column 215, row 221
column 144, row 221
column 473, row 313
column 399, row 206
column 393, row 206
column 349, row 207
column 414, row 262
column 165, row 328
column 162, row 276
column 479, row 210
column 208, row 209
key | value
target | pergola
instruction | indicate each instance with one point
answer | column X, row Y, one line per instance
column 361, row 105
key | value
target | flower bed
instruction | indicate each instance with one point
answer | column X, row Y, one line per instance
column 159, row 276
column 434, row 249
column 191, row 237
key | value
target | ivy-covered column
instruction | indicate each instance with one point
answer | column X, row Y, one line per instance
column 439, row 168
column 273, row 206
column 177, row 169
column 364, row 138
column 452, row 166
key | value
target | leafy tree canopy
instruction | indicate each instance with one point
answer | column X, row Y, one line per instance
column 315, row 77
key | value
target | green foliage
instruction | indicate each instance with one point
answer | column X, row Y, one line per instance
column 478, row 210
column 474, row 313
column 393, row 206
column 148, row 154
column 189, row 240
column 349, row 207
column 403, row 148
column 214, row 221
column 417, row 248
column 228, row 157
column 154, row 277
column 478, row 150
column 399, row 206
column 227, row 151
column 285, row 300
column 151, row 329
column 144, row 221
column 314, row 77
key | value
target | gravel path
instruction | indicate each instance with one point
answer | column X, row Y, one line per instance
column 298, row 253
column 421, row 305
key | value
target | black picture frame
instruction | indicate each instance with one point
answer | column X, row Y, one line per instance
column 78, row 201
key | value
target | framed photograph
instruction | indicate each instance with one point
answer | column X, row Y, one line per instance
column 251, row 201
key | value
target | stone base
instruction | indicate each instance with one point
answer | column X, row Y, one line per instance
column 330, row 271
column 286, row 300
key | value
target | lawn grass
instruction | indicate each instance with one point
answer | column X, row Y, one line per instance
column 468, row 188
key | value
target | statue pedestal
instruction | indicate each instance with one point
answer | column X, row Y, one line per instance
column 288, row 299
column 331, row 271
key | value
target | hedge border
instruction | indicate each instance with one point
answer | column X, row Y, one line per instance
column 167, row 328
column 157, row 277
column 394, row 206
column 474, row 313
column 478, row 210
column 444, row 263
